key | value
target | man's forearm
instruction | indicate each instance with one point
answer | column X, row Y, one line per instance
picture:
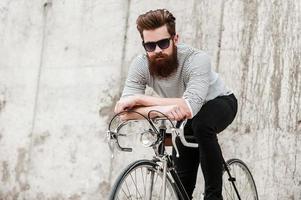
column 142, row 110
column 147, row 101
column 157, row 101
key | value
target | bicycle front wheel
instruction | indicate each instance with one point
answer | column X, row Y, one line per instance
column 244, row 182
column 142, row 180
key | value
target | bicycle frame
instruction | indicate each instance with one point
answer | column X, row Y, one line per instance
column 168, row 166
column 168, row 163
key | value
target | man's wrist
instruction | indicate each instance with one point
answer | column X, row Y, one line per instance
column 186, row 102
column 137, row 99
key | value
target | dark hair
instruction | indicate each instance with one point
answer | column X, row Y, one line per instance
column 154, row 19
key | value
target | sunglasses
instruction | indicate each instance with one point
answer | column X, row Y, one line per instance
column 151, row 46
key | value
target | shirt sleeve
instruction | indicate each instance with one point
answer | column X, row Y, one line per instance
column 136, row 79
column 198, row 71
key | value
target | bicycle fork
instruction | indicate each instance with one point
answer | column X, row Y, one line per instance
column 151, row 186
column 164, row 177
column 164, row 163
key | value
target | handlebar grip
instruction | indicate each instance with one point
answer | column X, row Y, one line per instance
column 126, row 149
column 179, row 123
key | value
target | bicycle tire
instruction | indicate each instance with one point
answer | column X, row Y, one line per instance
column 142, row 180
column 244, row 182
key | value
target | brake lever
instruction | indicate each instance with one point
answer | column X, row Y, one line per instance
column 123, row 148
column 179, row 127
column 174, row 135
column 111, row 140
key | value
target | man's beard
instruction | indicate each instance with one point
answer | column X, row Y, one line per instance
column 162, row 65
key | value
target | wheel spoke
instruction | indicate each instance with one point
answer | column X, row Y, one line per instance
column 142, row 181
column 136, row 187
column 129, row 193
column 229, row 193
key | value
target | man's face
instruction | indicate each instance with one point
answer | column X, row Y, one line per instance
column 162, row 61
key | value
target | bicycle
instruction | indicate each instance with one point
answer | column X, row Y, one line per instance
column 157, row 178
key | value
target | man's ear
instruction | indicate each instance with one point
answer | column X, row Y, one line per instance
column 176, row 39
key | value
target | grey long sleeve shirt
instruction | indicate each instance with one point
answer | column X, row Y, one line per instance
column 194, row 79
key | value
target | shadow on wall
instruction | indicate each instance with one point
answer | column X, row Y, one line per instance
column 107, row 112
column 2, row 98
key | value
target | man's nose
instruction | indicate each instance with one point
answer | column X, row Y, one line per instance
column 158, row 49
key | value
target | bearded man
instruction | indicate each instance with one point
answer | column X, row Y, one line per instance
column 188, row 88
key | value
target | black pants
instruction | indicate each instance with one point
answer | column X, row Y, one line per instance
column 213, row 118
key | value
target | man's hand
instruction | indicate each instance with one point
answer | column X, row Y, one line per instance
column 125, row 103
column 173, row 112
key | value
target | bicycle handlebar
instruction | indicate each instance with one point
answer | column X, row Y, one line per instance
column 177, row 131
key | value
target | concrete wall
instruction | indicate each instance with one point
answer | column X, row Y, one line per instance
column 62, row 63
